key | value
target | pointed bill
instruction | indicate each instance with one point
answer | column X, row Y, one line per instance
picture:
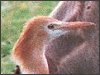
column 75, row 25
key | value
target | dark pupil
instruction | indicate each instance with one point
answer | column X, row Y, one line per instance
column 51, row 26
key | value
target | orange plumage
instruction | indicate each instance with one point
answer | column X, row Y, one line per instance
column 29, row 50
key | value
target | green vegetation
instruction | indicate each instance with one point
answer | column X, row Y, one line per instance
column 13, row 16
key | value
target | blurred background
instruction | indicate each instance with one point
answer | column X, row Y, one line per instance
column 13, row 16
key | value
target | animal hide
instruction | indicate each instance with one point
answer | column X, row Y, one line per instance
column 76, row 52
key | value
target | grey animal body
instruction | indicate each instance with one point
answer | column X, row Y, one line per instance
column 76, row 52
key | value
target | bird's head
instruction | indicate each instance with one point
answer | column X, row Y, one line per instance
column 47, row 28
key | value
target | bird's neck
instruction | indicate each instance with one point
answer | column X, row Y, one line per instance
column 30, row 55
column 36, row 62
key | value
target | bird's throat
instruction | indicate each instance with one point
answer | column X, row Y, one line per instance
column 30, row 56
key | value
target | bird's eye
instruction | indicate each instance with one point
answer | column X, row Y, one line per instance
column 51, row 26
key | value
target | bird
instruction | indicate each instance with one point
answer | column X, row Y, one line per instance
column 29, row 50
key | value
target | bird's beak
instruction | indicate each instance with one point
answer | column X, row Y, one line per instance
column 60, row 28
column 74, row 25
